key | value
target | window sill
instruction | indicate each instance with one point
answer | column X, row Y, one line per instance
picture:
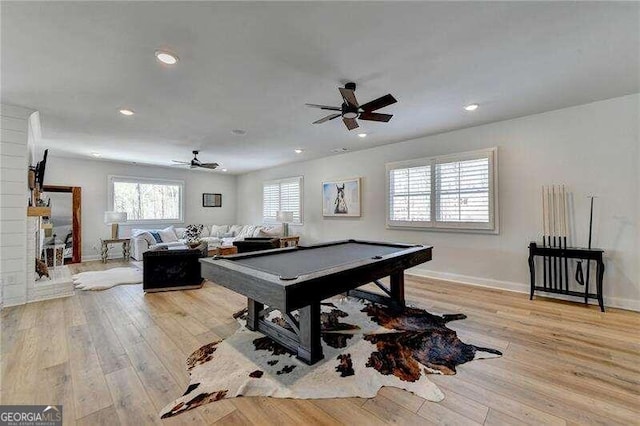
column 275, row 222
column 494, row 231
column 153, row 222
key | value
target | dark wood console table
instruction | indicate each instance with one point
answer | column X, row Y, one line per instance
column 557, row 269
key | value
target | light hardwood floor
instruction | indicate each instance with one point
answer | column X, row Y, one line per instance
column 118, row 356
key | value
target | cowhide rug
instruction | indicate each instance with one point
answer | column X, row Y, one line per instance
column 102, row 280
column 366, row 346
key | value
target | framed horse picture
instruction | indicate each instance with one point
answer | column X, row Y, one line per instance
column 341, row 198
column 211, row 200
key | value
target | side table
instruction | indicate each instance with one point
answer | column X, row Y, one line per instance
column 126, row 248
column 290, row 241
column 54, row 255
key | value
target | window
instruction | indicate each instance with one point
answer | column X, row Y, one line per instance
column 147, row 200
column 282, row 195
column 448, row 192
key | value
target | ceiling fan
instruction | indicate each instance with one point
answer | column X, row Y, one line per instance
column 197, row 163
column 350, row 109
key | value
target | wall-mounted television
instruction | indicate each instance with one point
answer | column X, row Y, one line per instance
column 40, row 168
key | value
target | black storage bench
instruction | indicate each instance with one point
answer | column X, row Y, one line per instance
column 256, row 244
column 173, row 268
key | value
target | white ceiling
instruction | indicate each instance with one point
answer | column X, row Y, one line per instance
column 253, row 66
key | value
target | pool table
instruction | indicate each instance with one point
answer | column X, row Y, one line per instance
column 299, row 278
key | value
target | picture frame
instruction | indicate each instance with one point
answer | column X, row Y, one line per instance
column 211, row 200
column 342, row 198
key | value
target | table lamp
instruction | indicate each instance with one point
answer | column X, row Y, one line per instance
column 285, row 218
column 113, row 219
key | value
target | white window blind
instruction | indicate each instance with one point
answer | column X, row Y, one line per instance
column 270, row 201
column 462, row 191
column 410, row 195
column 447, row 192
column 282, row 195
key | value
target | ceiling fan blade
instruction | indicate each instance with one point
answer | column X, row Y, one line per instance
column 351, row 123
column 210, row 166
column 374, row 116
column 327, row 118
column 349, row 96
column 329, row 108
column 181, row 162
column 379, row 103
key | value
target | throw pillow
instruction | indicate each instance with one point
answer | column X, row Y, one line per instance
column 168, row 235
column 270, row 231
column 246, row 232
column 145, row 235
column 192, row 233
column 219, row 230
column 235, row 230
column 180, row 232
column 156, row 237
column 148, row 237
column 205, row 231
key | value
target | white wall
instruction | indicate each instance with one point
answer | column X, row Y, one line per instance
column 92, row 175
column 13, row 204
column 592, row 148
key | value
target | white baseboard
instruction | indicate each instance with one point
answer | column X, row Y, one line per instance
column 98, row 257
column 614, row 302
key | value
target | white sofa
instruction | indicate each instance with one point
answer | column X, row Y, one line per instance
column 143, row 240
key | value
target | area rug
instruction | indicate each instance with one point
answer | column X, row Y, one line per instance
column 102, row 280
column 366, row 346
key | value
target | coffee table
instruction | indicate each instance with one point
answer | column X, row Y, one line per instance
column 299, row 278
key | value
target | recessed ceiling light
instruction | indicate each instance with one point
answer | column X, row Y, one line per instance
column 239, row 132
column 96, row 154
column 126, row 111
column 362, row 135
column 471, row 107
column 224, row 170
column 297, row 151
column 166, row 57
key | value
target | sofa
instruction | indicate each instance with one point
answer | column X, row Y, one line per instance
column 143, row 240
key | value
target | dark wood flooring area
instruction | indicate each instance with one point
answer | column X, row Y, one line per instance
column 118, row 356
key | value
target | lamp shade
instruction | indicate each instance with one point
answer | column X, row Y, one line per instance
column 283, row 216
column 115, row 217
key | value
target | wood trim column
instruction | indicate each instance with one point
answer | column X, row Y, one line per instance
column 76, row 194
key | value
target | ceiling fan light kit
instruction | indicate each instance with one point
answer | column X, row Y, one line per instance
column 352, row 110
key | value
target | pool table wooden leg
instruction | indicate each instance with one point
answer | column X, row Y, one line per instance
column 253, row 314
column 310, row 346
column 397, row 287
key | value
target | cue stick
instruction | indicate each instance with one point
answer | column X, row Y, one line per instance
column 554, row 203
column 562, row 231
column 544, row 238
column 586, row 285
column 556, row 194
column 566, row 231
column 549, row 224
